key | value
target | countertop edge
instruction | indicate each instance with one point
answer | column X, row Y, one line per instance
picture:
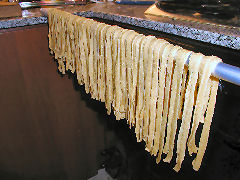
column 187, row 32
column 232, row 42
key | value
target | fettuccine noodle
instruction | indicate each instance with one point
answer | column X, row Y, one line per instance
column 142, row 79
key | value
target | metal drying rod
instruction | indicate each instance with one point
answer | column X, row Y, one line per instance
column 228, row 73
column 222, row 71
column 225, row 72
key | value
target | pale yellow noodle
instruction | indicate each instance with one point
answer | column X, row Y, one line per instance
column 99, row 64
column 208, row 119
column 181, row 58
column 136, row 58
column 183, row 90
column 133, row 71
column 194, row 64
column 129, row 78
column 164, row 105
column 102, row 62
column 162, row 83
column 108, row 68
column 96, row 67
column 90, row 57
column 84, row 55
column 162, row 56
column 146, row 86
column 151, row 90
column 118, row 91
column 148, row 60
column 77, row 44
column 92, row 60
column 123, row 73
column 199, row 107
column 116, row 71
column 140, row 92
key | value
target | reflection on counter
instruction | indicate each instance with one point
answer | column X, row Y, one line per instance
column 34, row 4
column 218, row 14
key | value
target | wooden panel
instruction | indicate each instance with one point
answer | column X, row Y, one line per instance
column 46, row 128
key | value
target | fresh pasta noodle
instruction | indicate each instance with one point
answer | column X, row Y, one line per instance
column 77, row 52
column 153, row 90
column 148, row 82
column 92, row 82
column 116, row 72
column 209, row 114
column 181, row 58
column 134, row 73
column 182, row 93
column 102, row 63
column 108, row 69
column 142, row 79
column 118, row 91
column 140, row 89
column 127, row 35
column 204, row 73
column 160, row 103
column 98, row 52
column 164, row 49
column 84, row 55
column 136, row 82
column 194, row 64
column 145, row 58
column 96, row 58
column 129, row 67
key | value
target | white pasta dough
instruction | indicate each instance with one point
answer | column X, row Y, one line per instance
column 142, row 79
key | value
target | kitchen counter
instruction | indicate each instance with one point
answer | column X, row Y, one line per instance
column 223, row 35
column 51, row 129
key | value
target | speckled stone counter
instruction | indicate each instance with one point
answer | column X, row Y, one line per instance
column 134, row 15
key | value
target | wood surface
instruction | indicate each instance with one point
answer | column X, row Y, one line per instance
column 8, row 9
column 48, row 128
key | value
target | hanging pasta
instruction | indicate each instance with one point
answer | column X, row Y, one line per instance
column 116, row 72
column 153, row 90
column 163, row 55
column 194, row 64
column 209, row 114
column 142, row 79
column 181, row 58
column 134, row 73
column 129, row 67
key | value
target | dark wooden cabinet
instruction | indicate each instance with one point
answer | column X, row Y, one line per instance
column 47, row 130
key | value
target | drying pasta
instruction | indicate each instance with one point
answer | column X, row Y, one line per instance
column 153, row 73
column 148, row 82
column 142, row 79
column 194, row 64
column 134, row 73
column 164, row 53
column 181, row 58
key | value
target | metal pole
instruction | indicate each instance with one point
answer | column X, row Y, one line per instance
column 228, row 73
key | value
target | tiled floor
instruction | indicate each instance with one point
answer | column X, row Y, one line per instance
column 102, row 175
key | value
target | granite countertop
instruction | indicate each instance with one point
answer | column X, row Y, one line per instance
column 223, row 35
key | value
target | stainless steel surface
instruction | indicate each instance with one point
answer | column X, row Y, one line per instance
column 228, row 73
column 33, row 4
column 225, row 72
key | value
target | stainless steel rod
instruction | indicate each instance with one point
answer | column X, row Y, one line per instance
column 228, row 73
